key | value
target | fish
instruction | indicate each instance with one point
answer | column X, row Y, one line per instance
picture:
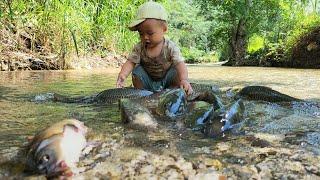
column 223, row 120
column 172, row 103
column 55, row 150
column 104, row 97
column 207, row 93
column 168, row 103
column 264, row 93
column 141, row 113
column 136, row 116
column 197, row 114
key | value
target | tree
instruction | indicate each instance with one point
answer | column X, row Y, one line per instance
column 235, row 21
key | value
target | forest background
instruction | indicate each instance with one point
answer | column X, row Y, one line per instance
column 240, row 32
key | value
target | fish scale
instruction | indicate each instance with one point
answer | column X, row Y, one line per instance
column 106, row 96
column 264, row 94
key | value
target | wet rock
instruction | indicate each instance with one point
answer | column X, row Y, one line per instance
column 216, row 164
column 260, row 143
column 265, row 169
column 209, row 176
column 223, row 146
column 274, row 138
column 294, row 166
column 313, row 169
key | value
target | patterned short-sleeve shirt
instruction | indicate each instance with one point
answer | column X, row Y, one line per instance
column 157, row 67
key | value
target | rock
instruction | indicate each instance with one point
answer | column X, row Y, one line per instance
column 223, row 146
column 260, row 143
column 213, row 162
column 294, row 166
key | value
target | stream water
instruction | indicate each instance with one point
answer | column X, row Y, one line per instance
column 21, row 116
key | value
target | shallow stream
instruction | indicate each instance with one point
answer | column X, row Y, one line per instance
column 21, row 117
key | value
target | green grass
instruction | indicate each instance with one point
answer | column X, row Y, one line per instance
column 78, row 27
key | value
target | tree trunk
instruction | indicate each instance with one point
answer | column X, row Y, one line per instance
column 238, row 43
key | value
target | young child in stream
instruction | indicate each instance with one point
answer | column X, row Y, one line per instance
column 156, row 62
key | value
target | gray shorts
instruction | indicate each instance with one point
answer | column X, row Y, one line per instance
column 152, row 85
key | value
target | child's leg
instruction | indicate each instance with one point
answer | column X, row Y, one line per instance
column 141, row 80
column 171, row 80
column 137, row 83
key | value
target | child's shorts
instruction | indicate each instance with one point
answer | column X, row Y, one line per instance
column 151, row 85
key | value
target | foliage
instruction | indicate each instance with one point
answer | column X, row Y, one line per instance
column 273, row 21
column 67, row 25
column 202, row 28
column 97, row 26
column 189, row 30
column 256, row 42
column 303, row 26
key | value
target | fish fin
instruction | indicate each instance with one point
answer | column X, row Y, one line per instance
column 79, row 127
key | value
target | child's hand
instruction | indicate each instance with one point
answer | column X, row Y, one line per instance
column 186, row 86
column 120, row 81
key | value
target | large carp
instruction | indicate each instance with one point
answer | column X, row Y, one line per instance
column 142, row 113
column 167, row 104
column 207, row 93
column 223, row 120
column 106, row 96
column 264, row 93
column 201, row 92
column 136, row 116
column 172, row 103
column 197, row 114
column 55, row 150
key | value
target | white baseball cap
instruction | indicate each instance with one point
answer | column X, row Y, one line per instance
column 148, row 10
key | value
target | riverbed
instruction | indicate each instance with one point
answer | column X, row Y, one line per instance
column 275, row 141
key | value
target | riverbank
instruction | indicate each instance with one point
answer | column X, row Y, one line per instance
column 19, row 51
column 24, row 60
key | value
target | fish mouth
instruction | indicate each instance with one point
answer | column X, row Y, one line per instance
column 57, row 172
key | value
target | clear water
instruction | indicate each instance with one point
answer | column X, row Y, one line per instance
column 21, row 117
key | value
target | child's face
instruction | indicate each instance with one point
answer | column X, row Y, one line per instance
column 151, row 32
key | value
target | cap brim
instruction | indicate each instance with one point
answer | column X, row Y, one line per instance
column 133, row 25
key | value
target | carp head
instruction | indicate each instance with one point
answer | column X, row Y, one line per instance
column 49, row 161
column 57, row 154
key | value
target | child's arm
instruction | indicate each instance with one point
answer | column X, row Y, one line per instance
column 183, row 77
column 126, row 69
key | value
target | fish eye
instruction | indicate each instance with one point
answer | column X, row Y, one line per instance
column 44, row 159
